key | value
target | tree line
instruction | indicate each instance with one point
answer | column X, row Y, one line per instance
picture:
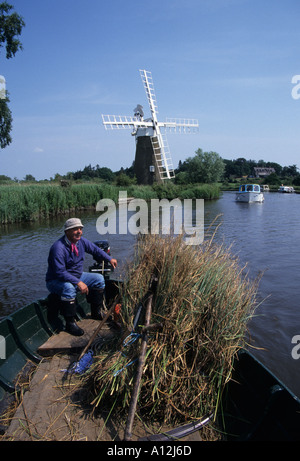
column 209, row 167
column 203, row 167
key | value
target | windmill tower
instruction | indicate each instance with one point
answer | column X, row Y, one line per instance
column 153, row 162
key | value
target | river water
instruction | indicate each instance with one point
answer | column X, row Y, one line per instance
column 265, row 235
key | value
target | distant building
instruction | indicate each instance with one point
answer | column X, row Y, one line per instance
column 260, row 172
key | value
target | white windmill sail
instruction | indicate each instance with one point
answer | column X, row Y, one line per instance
column 159, row 140
column 152, row 127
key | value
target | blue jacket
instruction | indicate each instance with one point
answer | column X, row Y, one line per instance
column 64, row 265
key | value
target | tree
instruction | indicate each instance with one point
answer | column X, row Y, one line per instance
column 181, row 177
column 242, row 166
column 290, row 170
column 296, row 180
column 5, row 123
column 273, row 179
column 10, row 28
column 276, row 166
column 124, row 180
column 29, row 177
column 11, row 25
column 239, row 167
column 204, row 167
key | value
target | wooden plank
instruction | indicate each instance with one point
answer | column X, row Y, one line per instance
column 64, row 343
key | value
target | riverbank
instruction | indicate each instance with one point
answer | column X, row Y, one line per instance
column 25, row 203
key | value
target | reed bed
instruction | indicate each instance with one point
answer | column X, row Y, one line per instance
column 204, row 302
column 21, row 203
column 31, row 202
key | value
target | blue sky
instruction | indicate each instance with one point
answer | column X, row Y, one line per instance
column 228, row 63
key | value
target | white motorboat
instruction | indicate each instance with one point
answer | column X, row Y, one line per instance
column 249, row 193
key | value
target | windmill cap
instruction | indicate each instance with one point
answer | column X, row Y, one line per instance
column 71, row 223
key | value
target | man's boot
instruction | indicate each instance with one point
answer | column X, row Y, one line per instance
column 53, row 307
column 72, row 327
column 68, row 310
column 95, row 298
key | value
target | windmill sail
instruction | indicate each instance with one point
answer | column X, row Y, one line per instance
column 149, row 88
column 159, row 141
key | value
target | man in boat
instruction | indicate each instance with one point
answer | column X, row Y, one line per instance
column 65, row 276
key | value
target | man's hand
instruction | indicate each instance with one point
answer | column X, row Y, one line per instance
column 83, row 288
column 114, row 263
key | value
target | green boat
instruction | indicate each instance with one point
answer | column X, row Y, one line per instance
column 255, row 405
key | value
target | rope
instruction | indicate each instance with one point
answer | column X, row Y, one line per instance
column 126, row 366
column 134, row 336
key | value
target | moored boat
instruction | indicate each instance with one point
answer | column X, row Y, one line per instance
column 286, row 189
column 265, row 188
column 249, row 193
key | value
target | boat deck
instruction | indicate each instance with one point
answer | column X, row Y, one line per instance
column 48, row 409
column 64, row 343
column 52, row 408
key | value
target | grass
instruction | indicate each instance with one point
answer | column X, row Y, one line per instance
column 20, row 203
column 204, row 303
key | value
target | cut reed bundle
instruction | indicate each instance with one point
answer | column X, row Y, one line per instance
column 204, row 303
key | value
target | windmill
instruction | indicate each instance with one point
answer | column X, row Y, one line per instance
column 153, row 162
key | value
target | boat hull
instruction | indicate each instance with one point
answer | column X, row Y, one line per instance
column 257, row 406
column 249, row 197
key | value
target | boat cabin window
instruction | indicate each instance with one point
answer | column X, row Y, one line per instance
column 249, row 188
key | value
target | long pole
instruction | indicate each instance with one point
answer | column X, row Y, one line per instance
column 135, row 393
